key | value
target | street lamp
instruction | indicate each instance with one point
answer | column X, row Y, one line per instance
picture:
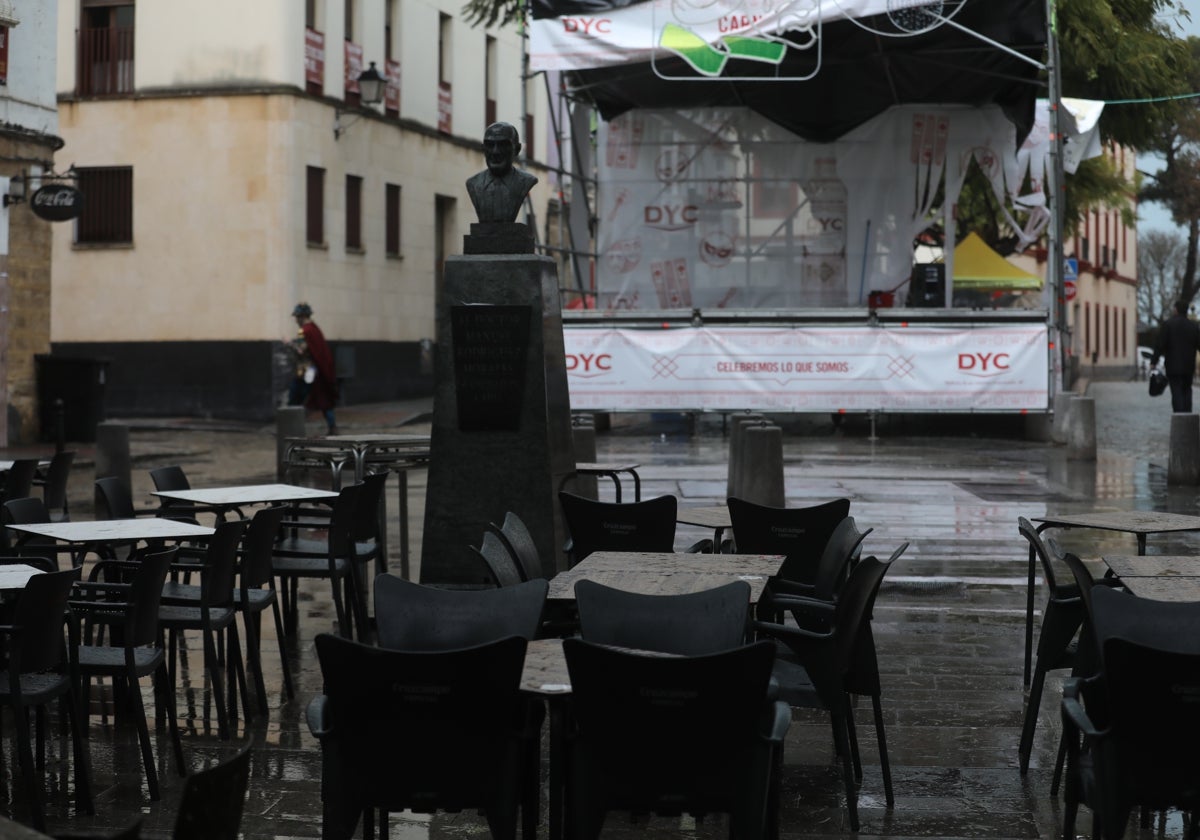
column 370, row 92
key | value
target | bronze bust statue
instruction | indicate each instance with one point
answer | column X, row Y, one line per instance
column 498, row 192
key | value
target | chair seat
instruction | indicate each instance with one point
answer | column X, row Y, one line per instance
column 38, row 688
column 307, row 566
column 110, row 661
column 301, row 547
column 175, row 592
column 795, row 685
column 181, row 617
column 259, row 599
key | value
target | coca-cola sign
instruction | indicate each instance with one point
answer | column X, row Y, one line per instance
column 57, row 202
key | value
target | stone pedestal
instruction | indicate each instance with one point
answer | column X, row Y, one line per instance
column 1081, row 429
column 501, row 436
column 1183, row 463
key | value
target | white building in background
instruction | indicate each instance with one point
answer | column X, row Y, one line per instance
column 229, row 171
column 28, row 142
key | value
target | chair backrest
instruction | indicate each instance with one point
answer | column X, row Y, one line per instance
column 519, row 542
column 342, row 520
column 1054, row 573
column 219, row 578
column 113, row 500
column 854, row 651
column 844, row 546
column 257, row 545
column 145, row 593
column 663, row 723
column 1088, row 659
column 210, row 807
column 800, row 533
column 1151, row 666
column 422, row 730
column 366, row 513
column 54, row 491
column 40, row 613
column 501, row 564
column 27, row 511
column 170, row 478
column 18, row 480
column 688, row 625
column 648, row 525
column 410, row 616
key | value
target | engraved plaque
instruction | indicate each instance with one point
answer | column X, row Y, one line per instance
column 490, row 344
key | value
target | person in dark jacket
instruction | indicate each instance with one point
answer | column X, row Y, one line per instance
column 1178, row 341
column 316, row 361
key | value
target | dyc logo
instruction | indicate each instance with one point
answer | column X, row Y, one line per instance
column 983, row 364
column 589, row 365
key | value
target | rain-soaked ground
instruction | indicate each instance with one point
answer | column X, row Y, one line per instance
column 948, row 623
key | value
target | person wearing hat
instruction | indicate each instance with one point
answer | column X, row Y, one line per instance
column 315, row 386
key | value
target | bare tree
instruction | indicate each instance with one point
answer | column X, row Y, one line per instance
column 1162, row 262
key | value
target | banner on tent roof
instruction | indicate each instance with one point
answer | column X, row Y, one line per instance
column 1001, row 368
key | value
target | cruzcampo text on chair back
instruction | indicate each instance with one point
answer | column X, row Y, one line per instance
column 648, row 525
column 113, row 499
column 213, row 799
column 798, row 533
column 501, row 564
column 41, row 613
column 257, row 543
column 519, row 542
column 1151, row 667
column 219, row 579
column 422, row 730
column 688, row 625
column 413, row 617
column 666, row 734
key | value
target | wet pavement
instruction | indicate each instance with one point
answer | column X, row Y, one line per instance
column 948, row 623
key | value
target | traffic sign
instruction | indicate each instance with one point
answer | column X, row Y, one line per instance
column 1069, row 290
column 1070, row 269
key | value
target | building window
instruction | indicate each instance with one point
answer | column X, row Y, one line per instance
column 314, row 205
column 107, row 217
column 1084, row 250
column 445, row 93
column 353, row 213
column 391, row 216
column 105, row 60
column 348, row 20
column 489, row 80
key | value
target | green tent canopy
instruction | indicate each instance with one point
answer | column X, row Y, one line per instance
column 976, row 266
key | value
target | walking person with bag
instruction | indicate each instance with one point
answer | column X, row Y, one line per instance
column 315, row 385
column 1178, row 342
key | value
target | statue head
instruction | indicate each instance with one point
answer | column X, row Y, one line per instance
column 501, row 146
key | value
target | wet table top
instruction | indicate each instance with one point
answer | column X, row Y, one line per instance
column 667, row 573
column 715, row 517
column 1129, row 521
column 247, row 494
column 1153, row 565
column 116, row 530
column 14, row 577
column 1165, row 588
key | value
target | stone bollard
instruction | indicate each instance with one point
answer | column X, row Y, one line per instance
column 738, row 425
column 112, row 452
column 1062, row 416
column 1183, row 463
column 1081, row 429
column 761, row 476
column 583, row 440
column 289, row 422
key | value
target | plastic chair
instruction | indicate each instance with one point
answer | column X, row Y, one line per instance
column 688, row 625
column 1132, row 729
column 501, row 563
column 425, row 731
column 18, row 479
column 256, row 593
column 41, row 671
column 672, row 735
column 213, row 613
column 798, row 533
column 54, row 485
column 113, row 500
column 821, row 668
column 174, row 478
column 211, row 805
column 519, row 542
column 139, row 652
column 27, row 511
column 648, row 525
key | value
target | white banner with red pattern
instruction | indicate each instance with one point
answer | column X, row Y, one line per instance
column 809, row 369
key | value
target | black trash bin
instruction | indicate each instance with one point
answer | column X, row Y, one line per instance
column 80, row 383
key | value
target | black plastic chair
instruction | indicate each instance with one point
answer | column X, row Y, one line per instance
column 173, row 478
column 54, row 485
column 256, row 594
column 1062, row 617
column 43, row 669
column 18, row 479
column 416, row 617
column 211, row 805
column 821, row 666
column 29, row 510
column 213, row 613
column 688, row 625
column 138, row 653
column 501, row 563
column 798, row 533
column 1132, row 730
column 425, row 731
column 114, row 500
column 648, row 525
column 672, row 735
column 519, row 542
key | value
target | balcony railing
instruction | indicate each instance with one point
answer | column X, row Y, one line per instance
column 105, row 65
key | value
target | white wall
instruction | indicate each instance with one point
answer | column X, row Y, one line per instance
column 28, row 100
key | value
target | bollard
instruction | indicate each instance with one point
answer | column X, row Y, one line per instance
column 1183, row 463
column 112, row 452
column 1062, row 416
column 1081, row 429
column 762, row 466
column 289, row 422
column 738, row 425
column 583, row 440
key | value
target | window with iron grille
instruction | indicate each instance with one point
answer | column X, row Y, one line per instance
column 391, row 214
column 107, row 216
column 314, row 205
column 104, row 61
column 353, row 213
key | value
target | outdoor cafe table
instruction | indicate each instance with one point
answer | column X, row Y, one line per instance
column 1154, row 565
column 715, row 517
column 1140, row 523
column 14, row 576
column 224, row 499
column 666, row 573
column 105, row 533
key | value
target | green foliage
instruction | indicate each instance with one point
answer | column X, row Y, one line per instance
column 490, row 13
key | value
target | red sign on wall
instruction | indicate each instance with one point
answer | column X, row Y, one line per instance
column 445, row 108
column 3, row 55
column 391, row 94
column 314, row 56
column 354, row 66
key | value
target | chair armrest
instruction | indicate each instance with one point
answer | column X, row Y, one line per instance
column 705, row 546
column 783, row 586
column 317, row 714
column 790, row 635
column 98, row 606
column 103, row 565
column 776, row 721
column 1073, row 709
column 98, row 587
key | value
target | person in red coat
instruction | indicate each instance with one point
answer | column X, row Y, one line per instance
column 316, row 379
